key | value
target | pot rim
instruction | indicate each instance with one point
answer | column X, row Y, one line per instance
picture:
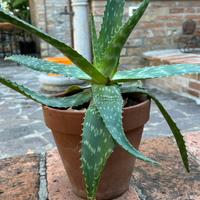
column 73, row 111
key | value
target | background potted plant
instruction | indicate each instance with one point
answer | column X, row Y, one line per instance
column 102, row 105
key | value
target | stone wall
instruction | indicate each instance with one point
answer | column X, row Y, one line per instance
column 160, row 27
column 51, row 17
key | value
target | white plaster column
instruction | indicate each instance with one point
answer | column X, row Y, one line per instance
column 81, row 28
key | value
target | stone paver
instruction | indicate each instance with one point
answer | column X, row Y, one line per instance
column 184, row 111
column 22, row 128
column 19, row 178
column 193, row 145
column 170, row 181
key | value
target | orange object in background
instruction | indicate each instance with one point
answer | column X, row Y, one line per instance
column 60, row 60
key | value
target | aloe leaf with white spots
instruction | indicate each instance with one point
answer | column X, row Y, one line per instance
column 112, row 21
column 156, row 72
column 97, row 146
column 73, row 55
column 109, row 100
column 130, row 87
column 49, row 67
column 62, row 102
column 111, row 56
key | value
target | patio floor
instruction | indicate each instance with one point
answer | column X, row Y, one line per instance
column 22, row 129
column 34, row 176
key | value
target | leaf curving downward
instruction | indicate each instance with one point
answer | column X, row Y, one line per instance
column 156, row 72
column 175, row 130
column 62, row 102
column 73, row 55
column 97, row 146
column 49, row 67
column 109, row 103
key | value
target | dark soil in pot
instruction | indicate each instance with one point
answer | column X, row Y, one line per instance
column 66, row 126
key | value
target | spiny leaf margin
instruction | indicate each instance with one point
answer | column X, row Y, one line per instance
column 109, row 103
column 175, row 130
column 61, row 102
column 156, row 72
column 97, row 146
column 49, row 67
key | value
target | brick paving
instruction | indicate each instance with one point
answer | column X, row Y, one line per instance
column 21, row 177
column 22, row 129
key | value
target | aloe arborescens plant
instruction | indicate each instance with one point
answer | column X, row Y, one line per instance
column 102, row 128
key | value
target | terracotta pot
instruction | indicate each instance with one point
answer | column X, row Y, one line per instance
column 67, row 128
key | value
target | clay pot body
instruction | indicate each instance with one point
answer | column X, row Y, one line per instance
column 67, row 127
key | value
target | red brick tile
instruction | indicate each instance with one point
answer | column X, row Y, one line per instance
column 193, row 144
column 19, row 178
column 195, row 85
column 170, row 181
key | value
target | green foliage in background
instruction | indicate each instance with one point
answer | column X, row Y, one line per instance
column 19, row 8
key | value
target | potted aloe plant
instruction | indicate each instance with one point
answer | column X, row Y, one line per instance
column 113, row 113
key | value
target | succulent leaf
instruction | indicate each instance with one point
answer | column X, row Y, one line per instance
column 62, row 102
column 74, row 89
column 73, row 55
column 131, row 86
column 97, row 146
column 110, row 59
column 49, row 67
column 156, row 72
column 95, row 46
column 109, row 103
column 112, row 22
column 175, row 130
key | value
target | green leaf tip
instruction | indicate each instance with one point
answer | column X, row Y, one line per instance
column 49, row 67
column 156, row 72
column 61, row 102
column 175, row 130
